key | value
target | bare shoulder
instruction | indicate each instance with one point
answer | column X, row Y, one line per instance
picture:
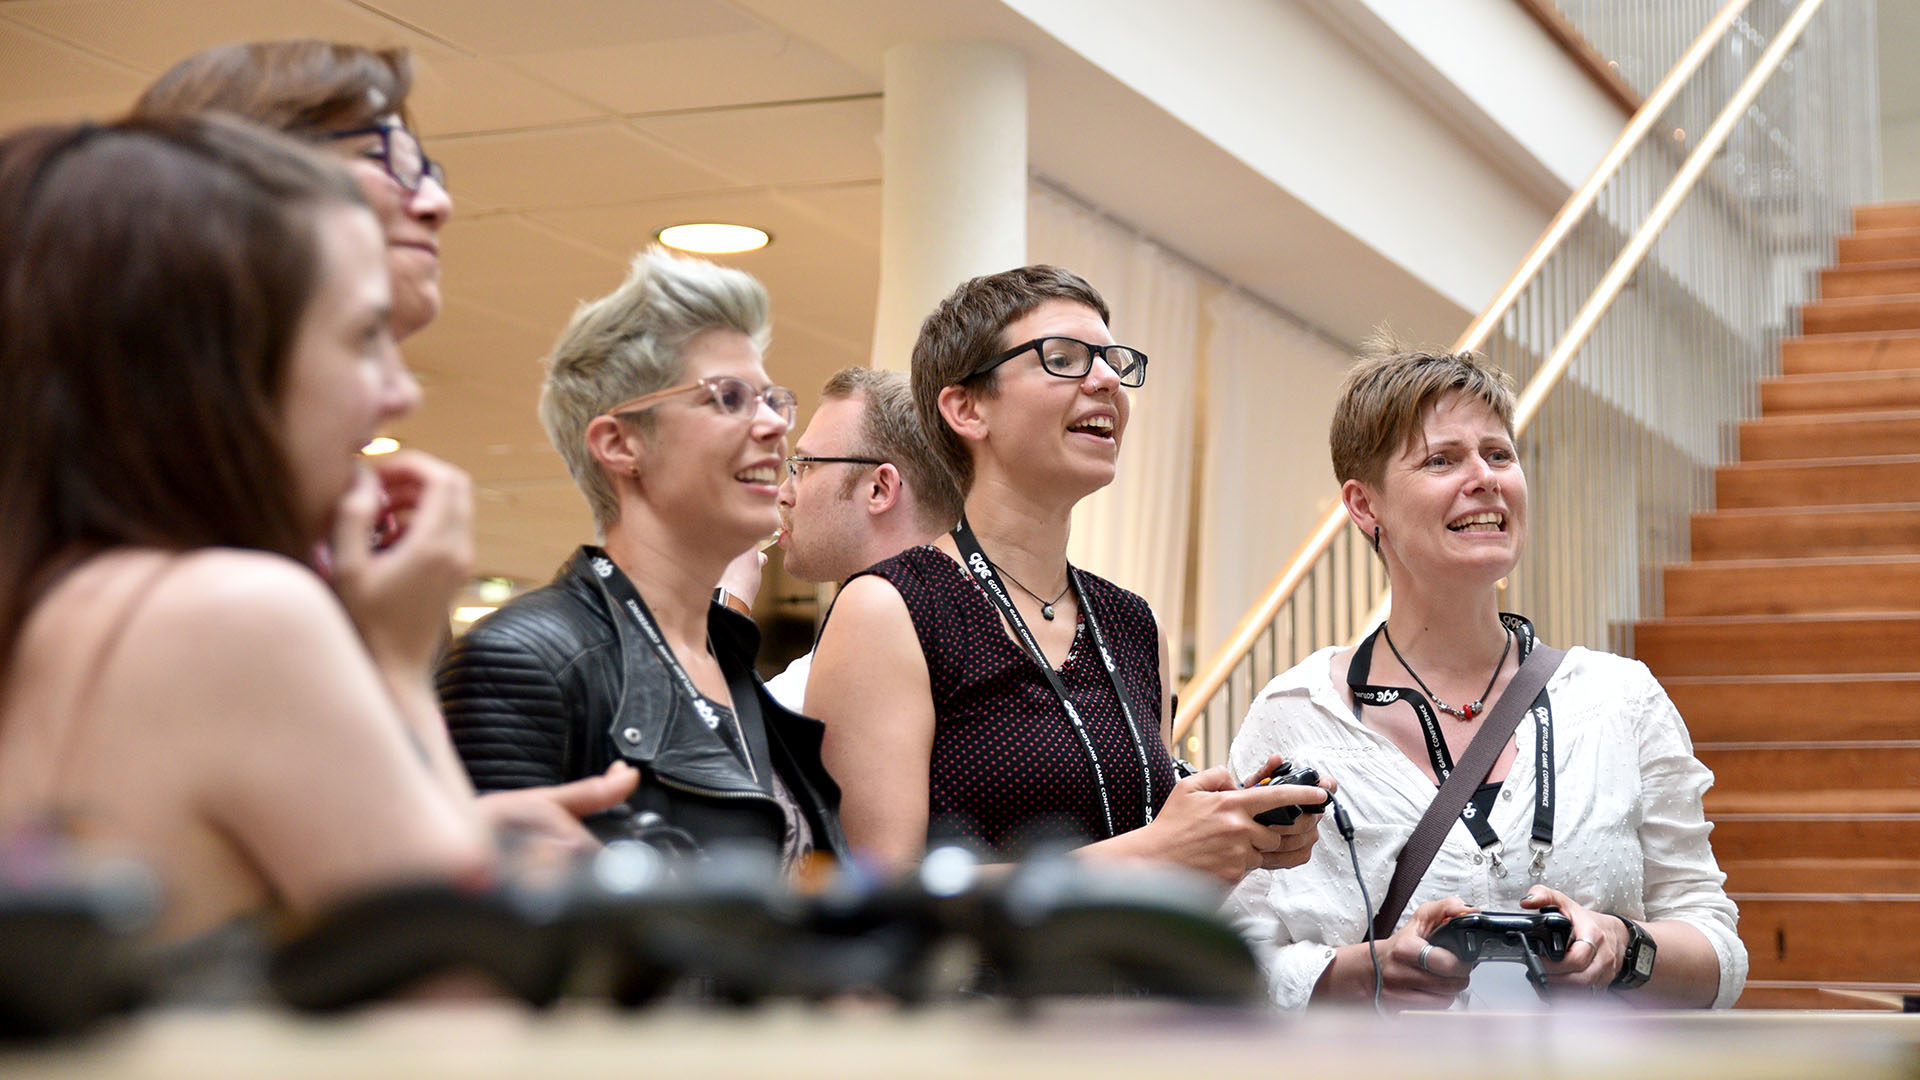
column 868, row 603
column 220, row 618
column 869, row 659
column 230, row 594
column 871, row 631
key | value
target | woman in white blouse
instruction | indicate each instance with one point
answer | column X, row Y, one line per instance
column 1424, row 450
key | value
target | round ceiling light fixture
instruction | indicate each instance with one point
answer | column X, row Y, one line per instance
column 713, row 238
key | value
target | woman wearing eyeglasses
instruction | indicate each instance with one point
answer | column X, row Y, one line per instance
column 657, row 399
column 981, row 686
column 353, row 102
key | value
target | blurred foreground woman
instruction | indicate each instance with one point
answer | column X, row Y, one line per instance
column 194, row 345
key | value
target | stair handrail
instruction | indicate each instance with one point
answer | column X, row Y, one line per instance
column 1628, row 261
column 1199, row 691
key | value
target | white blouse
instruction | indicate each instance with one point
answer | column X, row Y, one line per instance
column 1629, row 833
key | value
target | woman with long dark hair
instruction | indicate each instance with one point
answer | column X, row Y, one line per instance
column 194, row 345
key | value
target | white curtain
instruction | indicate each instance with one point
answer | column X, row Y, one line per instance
column 1266, row 477
column 1134, row 532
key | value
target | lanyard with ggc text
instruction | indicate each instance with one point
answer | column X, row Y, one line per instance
column 982, row 568
column 1542, row 709
column 622, row 590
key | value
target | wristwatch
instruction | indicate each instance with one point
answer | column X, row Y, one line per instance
column 1636, row 963
column 726, row 599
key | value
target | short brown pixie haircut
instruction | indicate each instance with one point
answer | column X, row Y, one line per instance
column 890, row 430
column 1388, row 392
column 303, row 87
column 964, row 333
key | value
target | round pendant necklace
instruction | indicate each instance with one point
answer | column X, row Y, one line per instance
column 1472, row 708
column 1046, row 605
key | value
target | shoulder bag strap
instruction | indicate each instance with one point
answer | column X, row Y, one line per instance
column 1473, row 768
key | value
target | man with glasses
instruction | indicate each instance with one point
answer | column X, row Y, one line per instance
column 863, row 485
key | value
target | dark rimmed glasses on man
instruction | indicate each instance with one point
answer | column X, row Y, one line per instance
column 1071, row 358
column 729, row 394
column 399, row 153
column 798, row 464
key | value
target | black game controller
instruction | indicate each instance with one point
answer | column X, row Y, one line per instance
column 1287, row 815
column 1524, row 937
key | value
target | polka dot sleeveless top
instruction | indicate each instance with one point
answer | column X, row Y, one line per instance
column 1007, row 768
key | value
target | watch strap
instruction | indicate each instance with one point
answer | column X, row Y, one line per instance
column 726, row 599
column 1636, row 961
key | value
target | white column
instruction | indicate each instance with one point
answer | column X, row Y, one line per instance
column 954, row 193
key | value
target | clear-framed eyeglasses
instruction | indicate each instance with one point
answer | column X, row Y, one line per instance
column 399, row 153
column 1071, row 358
column 730, row 395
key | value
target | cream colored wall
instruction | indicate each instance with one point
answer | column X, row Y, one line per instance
column 1900, row 158
column 1364, row 126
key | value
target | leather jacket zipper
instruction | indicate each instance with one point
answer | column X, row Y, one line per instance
column 757, row 796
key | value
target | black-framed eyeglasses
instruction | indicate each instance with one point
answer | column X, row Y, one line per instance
column 729, row 394
column 799, row 463
column 399, row 153
column 1071, row 358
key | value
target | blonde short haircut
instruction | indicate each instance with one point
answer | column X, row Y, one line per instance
column 1387, row 393
column 628, row 343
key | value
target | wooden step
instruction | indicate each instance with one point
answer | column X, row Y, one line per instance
column 1850, row 801
column 1861, row 314
column 1822, row 435
column 1890, row 876
column 1830, row 936
column 1766, row 832
column 1779, row 644
column 1831, row 354
column 1775, row 767
column 1860, row 391
column 1878, row 245
column 1793, row 586
column 1833, row 994
column 1830, row 482
column 1871, row 279
column 1794, row 708
column 1776, row 532
column 1900, row 215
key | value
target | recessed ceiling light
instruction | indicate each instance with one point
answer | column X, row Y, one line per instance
column 713, row 238
column 381, row 445
column 472, row 613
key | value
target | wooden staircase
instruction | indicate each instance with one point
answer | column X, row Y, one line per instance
column 1792, row 641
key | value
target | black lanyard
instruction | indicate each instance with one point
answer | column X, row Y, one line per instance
column 1365, row 693
column 982, row 568
column 623, row 593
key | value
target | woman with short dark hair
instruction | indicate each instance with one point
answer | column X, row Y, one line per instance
column 984, row 688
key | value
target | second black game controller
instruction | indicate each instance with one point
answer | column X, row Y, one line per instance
column 1287, row 815
column 1480, row 936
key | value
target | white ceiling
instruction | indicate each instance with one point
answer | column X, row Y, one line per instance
column 571, row 130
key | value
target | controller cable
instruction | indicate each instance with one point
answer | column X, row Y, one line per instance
column 1345, row 825
column 1536, row 972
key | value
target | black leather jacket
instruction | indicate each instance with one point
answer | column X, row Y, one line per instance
column 553, row 688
